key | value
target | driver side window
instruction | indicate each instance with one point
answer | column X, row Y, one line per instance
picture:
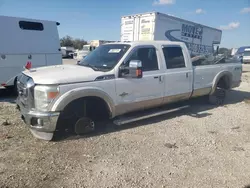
column 147, row 56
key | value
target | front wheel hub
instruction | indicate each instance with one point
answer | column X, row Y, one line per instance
column 84, row 125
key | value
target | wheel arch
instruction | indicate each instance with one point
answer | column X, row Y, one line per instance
column 224, row 76
column 75, row 94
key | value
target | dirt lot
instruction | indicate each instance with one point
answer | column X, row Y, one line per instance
column 69, row 61
column 199, row 147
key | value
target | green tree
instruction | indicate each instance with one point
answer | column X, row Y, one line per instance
column 66, row 41
column 77, row 43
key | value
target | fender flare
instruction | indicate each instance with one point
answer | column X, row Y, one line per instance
column 78, row 93
column 218, row 77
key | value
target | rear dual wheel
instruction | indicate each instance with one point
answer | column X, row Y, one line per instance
column 218, row 97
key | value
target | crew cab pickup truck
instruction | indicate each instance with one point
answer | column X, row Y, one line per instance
column 116, row 79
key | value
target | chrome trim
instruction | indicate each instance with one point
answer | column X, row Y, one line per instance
column 39, row 121
column 25, row 88
column 105, row 77
column 149, row 115
column 41, row 124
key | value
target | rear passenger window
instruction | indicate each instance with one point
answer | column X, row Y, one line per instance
column 174, row 57
column 37, row 26
column 147, row 56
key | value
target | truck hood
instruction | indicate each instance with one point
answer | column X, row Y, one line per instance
column 61, row 74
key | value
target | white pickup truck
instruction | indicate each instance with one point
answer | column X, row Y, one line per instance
column 116, row 79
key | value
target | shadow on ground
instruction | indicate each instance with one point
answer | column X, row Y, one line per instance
column 7, row 95
column 196, row 109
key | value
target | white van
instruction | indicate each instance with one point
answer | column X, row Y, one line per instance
column 26, row 43
column 67, row 51
column 246, row 56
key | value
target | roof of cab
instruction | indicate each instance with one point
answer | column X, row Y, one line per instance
column 148, row 42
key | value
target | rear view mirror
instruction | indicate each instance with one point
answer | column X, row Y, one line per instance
column 133, row 71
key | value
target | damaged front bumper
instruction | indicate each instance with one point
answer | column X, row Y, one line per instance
column 41, row 124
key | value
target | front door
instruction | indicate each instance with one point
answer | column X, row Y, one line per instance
column 141, row 93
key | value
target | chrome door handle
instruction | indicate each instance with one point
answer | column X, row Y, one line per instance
column 158, row 77
column 187, row 75
column 123, row 94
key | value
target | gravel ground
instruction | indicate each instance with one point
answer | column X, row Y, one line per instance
column 69, row 61
column 199, row 147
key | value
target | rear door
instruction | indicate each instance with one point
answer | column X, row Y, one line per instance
column 178, row 76
column 127, row 29
column 146, row 26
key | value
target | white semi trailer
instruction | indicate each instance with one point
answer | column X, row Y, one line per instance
column 199, row 39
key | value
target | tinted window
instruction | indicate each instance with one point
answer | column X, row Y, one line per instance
column 174, row 57
column 148, row 58
column 31, row 25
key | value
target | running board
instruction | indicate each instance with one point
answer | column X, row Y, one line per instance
column 130, row 119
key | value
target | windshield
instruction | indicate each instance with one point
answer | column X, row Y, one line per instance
column 105, row 57
column 247, row 53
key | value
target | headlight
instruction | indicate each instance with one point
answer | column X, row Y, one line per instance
column 44, row 95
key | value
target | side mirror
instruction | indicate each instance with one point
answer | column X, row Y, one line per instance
column 133, row 71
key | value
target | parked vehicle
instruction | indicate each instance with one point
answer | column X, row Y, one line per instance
column 234, row 51
column 241, row 50
column 200, row 39
column 26, row 43
column 67, row 51
column 80, row 54
column 246, row 56
column 116, row 79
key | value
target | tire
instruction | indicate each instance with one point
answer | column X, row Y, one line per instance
column 218, row 97
column 75, row 120
column 84, row 125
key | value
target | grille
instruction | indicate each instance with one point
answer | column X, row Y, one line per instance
column 25, row 86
